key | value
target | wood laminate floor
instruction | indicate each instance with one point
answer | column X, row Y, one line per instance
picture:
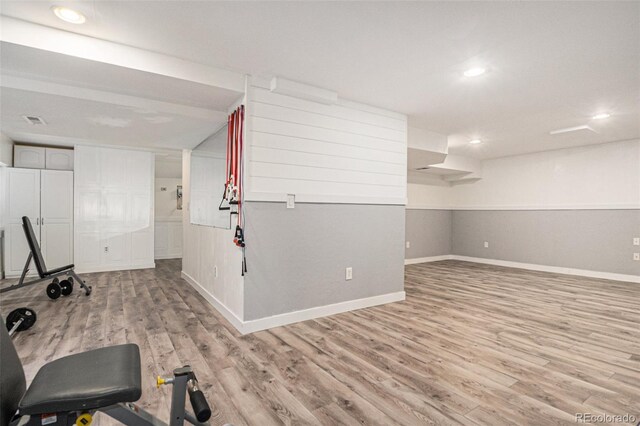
column 472, row 344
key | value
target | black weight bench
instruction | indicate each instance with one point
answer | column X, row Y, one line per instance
column 55, row 288
column 71, row 390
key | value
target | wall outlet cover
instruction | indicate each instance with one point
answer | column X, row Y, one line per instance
column 348, row 274
column 291, row 201
column 636, row 241
column 408, row 244
column 486, row 244
column 636, row 256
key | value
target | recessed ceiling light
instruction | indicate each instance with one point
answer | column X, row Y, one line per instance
column 474, row 72
column 475, row 141
column 69, row 15
column 601, row 116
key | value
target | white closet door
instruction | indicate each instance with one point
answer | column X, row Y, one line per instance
column 23, row 199
column 56, row 226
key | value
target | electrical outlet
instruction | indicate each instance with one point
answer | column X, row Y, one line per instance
column 636, row 256
column 486, row 244
column 291, row 201
column 348, row 274
column 408, row 244
column 636, row 241
column 215, row 272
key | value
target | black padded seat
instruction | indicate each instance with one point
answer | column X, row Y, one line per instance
column 56, row 270
column 85, row 381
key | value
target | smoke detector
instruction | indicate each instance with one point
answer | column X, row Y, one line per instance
column 34, row 120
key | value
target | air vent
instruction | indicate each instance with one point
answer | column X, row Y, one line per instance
column 36, row 121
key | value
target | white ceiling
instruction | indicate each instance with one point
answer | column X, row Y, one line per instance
column 85, row 101
column 551, row 64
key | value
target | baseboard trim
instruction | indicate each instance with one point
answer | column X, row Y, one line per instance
column 427, row 259
column 246, row 327
column 168, row 256
column 220, row 307
column 531, row 267
column 81, row 270
column 320, row 311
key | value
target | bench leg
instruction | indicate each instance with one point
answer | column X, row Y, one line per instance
column 87, row 288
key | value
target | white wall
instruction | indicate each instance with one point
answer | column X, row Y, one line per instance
column 204, row 248
column 168, row 219
column 339, row 153
column 605, row 176
column 113, row 209
column 6, row 150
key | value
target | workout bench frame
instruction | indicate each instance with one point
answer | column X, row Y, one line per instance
column 66, row 272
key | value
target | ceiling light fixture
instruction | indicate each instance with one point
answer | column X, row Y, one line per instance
column 475, row 141
column 474, row 72
column 601, row 116
column 69, row 15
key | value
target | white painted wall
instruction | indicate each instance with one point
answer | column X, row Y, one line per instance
column 6, row 150
column 339, row 153
column 168, row 219
column 204, row 248
column 113, row 209
column 603, row 176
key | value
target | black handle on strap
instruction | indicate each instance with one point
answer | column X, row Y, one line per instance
column 199, row 403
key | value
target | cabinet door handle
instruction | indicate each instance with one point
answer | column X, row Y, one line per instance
column 37, row 221
column 42, row 221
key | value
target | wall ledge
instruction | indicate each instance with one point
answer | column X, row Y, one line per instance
column 530, row 266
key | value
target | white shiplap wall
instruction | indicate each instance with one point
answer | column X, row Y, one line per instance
column 341, row 153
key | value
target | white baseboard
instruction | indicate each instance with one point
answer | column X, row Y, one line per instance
column 531, row 267
column 220, row 307
column 81, row 270
column 427, row 259
column 246, row 327
column 320, row 311
column 168, row 256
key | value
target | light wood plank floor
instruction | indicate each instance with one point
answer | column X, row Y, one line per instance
column 472, row 344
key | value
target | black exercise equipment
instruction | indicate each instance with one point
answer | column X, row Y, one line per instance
column 70, row 390
column 56, row 287
column 20, row 319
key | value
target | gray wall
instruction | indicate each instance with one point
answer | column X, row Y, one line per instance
column 596, row 240
column 429, row 232
column 297, row 257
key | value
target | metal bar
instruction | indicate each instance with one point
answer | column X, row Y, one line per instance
column 26, row 268
column 132, row 415
column 178, row 395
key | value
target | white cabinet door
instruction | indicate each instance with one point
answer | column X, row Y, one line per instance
column 58, row 159
column 23, row 199
column 56, row 223
column 32, row 157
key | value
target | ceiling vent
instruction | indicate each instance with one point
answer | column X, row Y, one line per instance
column 36, row 121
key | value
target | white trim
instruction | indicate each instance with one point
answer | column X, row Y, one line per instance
column 246, row 327
column 531, row 267
column 531, row 207
column 427, row 259
column 90, row 270
column 320, row 311
column 168, row 256
column 220, row 307
column 323, row 199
